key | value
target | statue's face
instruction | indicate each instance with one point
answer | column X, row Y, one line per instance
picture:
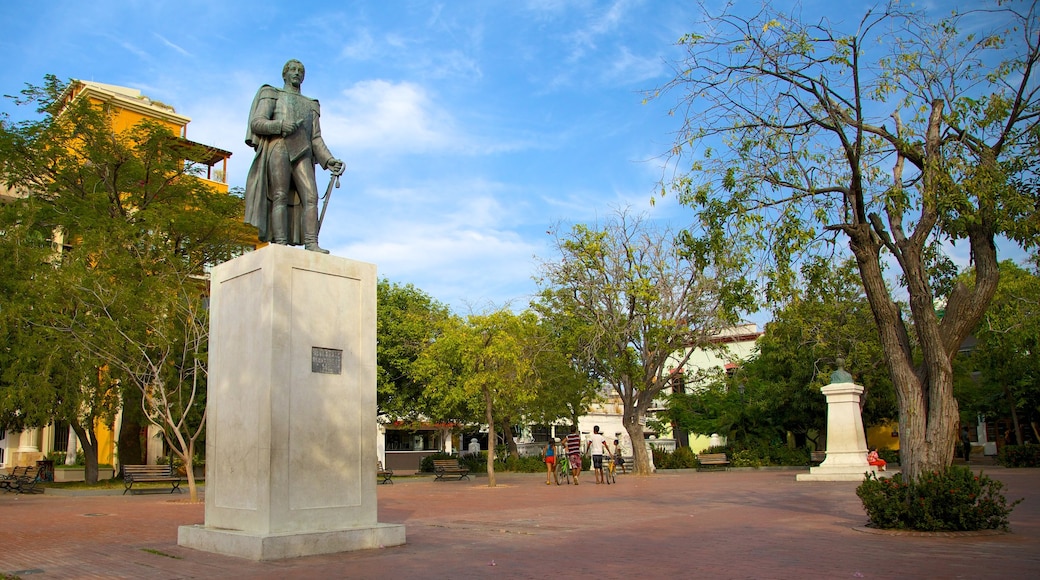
column 293, row 73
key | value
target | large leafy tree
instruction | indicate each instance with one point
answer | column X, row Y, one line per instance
column 777, row 391
column 1006, row 381
column 407, row 322
column 483, row 369
column 632, row 299
column 127, row 220
column 899, row 134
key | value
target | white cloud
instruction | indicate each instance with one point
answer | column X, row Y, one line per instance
column 379, row 115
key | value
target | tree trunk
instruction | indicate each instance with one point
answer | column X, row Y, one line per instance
column 640, row 457
column 491, row 437
column 1014, row 416
column 189, row 472
column 507, row 436
column 88, row 441
column 129, row 446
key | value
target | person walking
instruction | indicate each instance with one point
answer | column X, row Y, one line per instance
column 573, row 445
column 549, row 453
column 619, row 460
column 596, row 447
column 966, row 444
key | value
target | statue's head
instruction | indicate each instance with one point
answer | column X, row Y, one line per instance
column 292, row 71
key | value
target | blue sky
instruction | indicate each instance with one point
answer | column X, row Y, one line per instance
column 469, row 128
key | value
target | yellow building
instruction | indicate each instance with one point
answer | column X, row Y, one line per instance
column 126, row 108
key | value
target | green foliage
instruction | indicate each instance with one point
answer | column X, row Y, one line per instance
column 477, row 463
column 58, row 457
column 1020, row 456
column 761, row 453
column 952, row 500
column 891, row 456
column 629, row 298
column 113, row 233
column 522, row 464
column 1000, row 377
column 776, row 391
column 858, row 157
column 681, row 458
column 407, row 322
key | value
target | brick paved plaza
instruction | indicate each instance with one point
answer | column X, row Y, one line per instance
column 684, row 524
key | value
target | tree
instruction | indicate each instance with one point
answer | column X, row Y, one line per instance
column 484, row 366
column 120, row 211
column 795, row 123
column 407, row 322
column 166, row 363
column 1005, row 355
column 777, row 390
column 633, row 299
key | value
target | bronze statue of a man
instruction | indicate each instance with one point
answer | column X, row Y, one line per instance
column 281, row 190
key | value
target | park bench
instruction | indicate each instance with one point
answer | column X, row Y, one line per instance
column 22, row 480
column 150, row 474
column 712, row 461
column 817, row 457
column 386, row 474
column 443, row 467
column 8, row 479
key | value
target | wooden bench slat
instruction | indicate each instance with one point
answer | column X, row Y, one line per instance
column 442, row 467
column 150, row 474
column 710, row 461
column 386, row 474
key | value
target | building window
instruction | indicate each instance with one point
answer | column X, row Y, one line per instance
column 412, row 441
column 61, row 437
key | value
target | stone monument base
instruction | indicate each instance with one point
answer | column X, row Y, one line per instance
column 289, row 545
column 836, row 473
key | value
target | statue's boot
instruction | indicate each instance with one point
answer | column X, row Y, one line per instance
column 310, row 230
column 279, row 225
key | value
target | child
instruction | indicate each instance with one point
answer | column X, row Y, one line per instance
column 873, row 459
column 550, row 461
column 618, row 459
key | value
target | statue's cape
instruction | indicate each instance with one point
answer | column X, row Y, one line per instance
column 258, row 205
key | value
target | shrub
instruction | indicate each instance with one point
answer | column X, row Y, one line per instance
column 681, row 458
column 952, row 500
column 746, row 458
column 891, row 456
column 523, row 464
column 1020, row 456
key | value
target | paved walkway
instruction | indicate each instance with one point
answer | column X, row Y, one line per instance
column 734, row 524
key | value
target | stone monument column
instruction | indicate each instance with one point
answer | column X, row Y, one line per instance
column 846, row 444
column 291, row 409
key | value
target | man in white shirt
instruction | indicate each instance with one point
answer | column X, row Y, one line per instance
column 597, row 447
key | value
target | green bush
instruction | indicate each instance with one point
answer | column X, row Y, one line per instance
column 1020, row 456
column 58, row 457
column 681, row 458
column 762, row 453
column 891, row 456
column 523, row 464
column 477, row 463
column 951, row 500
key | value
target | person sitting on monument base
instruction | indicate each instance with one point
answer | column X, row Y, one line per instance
column 281, row 190
column 875, row 460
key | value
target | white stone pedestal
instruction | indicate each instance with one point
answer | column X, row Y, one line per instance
column 846, row 445
column 291, row 422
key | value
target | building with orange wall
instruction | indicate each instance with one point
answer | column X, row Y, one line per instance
column 126, row 107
